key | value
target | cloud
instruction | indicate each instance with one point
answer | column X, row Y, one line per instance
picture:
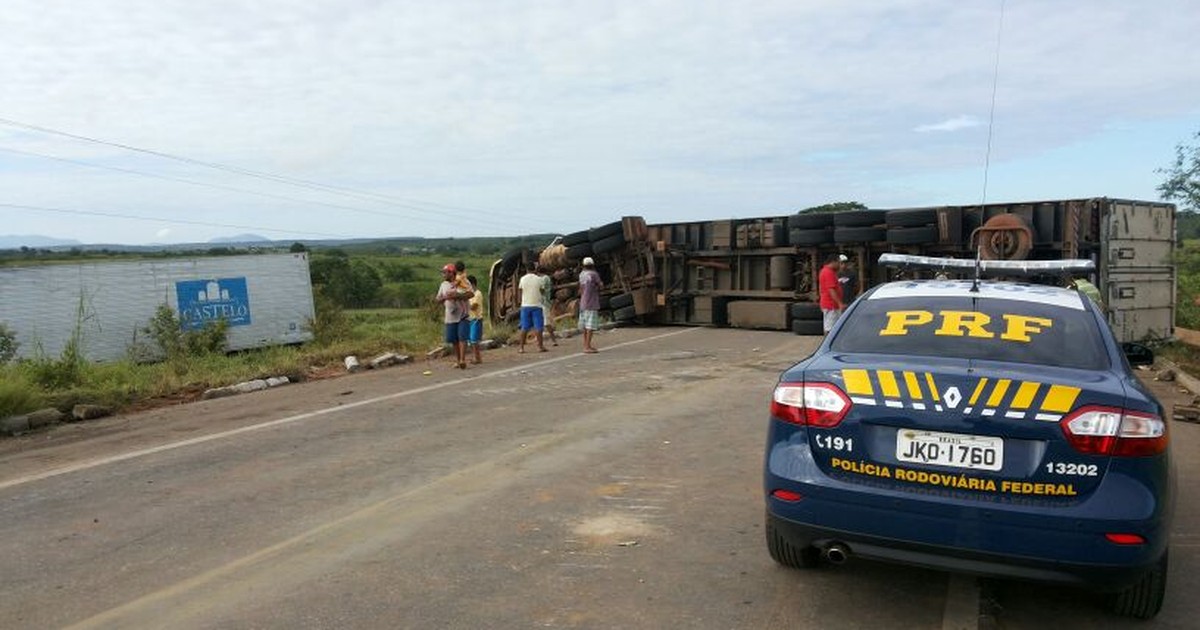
column 950, row 124
column 163, row 233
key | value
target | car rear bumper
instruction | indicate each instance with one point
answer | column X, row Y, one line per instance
column 1053, row 568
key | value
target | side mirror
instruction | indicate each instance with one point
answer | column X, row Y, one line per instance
column 1137, row 354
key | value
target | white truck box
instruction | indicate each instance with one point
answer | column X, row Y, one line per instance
column 267, row 299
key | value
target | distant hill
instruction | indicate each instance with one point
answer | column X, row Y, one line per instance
column 240, row 238
column 14, row 241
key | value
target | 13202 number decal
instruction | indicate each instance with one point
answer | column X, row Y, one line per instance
column 1068, row 468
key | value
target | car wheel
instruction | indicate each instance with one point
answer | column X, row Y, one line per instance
column 1144, row 598
column 811, row 327
column 859, row 234
column 810, row 220
column 819, row 236
column 787, row 554
column 807, row 310
column 597, row 234
column 609, row 243
column 576, row 238
column 911, row 218
column 859, row 218
column 913, row 235
column 621, row 301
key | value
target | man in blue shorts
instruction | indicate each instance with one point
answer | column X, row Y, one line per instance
column 532, row 317
column 454, row 299
column 475, row 317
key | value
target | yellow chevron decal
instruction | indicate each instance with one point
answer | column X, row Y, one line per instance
column 914, row 388
column 1025, row 394
column 978, row 390
column 999, row 392
column 887, row 383
column 932, row 388
column 1060, row 398
column 858, row 383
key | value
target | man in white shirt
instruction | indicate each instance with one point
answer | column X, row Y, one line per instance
column 532, row 317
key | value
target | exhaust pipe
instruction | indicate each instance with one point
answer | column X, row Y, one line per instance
column 836, row 554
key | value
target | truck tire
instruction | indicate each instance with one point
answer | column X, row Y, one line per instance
column 806, row 310
column 859, row 234
column 609, row 243
column 508, row 264
column 1144, row 598
column 787, row 554
column 620, row 301
column 819, row 236
column 624, row 314
column 859, row 218
column 808, row 327
column 604, row 231
column 576, row 238
column 913, row 235
column 911, row 218
column 579, row 251
column 605, row 303
column 810, row 220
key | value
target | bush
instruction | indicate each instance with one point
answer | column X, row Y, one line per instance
column 173, row 343
column 329, row 325
column 17, row 394
column 8, row 344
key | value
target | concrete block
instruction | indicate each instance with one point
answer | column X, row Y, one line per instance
column 386, row 359
column 276, row 381
column 219, row 392
column 46, row 417
column 14, row 425
column 250, row 386
column 352, row 364
column 90, row 412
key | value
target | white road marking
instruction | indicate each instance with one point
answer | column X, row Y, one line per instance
column 85, row 465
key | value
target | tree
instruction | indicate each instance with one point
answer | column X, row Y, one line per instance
column 840, row 206
column 1183, row 177
column 297, row 248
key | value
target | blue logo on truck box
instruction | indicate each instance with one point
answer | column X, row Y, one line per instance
column 203, row 301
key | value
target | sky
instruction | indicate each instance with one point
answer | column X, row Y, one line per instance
column 375, row 118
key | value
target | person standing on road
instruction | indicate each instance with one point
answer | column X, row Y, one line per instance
column 848, row 277
column 590, row 285
column 547, row 302
column 830, row 290
column 532, row 318
column 455, row 301
column 475, row 319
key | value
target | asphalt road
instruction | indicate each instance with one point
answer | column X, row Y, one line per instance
column 618, row 490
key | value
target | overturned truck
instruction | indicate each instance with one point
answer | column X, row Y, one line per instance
column 762, row 272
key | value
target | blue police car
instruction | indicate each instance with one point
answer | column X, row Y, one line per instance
column 987, row 427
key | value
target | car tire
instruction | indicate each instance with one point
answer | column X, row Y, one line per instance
column 911, row 218
column 859, row 218
column 810, row 220
column 597, row 234
column 609, row 244
column 579, row 251
column 808, row 326
column 1144, row 598
column 620, row 301
column 787, row 554
column 859, row 234
column 913, row 235
column 576, row 238
column 818, row 236
column 624, row 314
column 806, row 310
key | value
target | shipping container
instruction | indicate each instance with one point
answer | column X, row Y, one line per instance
column 266, row 300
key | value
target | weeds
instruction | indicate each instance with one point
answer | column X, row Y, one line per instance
column 8, row 344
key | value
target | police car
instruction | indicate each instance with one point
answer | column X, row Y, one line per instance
column 982, row 426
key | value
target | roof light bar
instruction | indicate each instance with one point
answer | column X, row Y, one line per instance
column 992, row 267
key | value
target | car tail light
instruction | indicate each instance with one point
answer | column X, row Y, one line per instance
column 787, row 495
column 810, row 404
column 1112, row 431
column 1125, row 539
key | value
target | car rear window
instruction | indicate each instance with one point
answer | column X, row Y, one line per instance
column 1018, row 331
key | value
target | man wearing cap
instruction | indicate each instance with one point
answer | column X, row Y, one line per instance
column 454, row 299
column 829, row 290
column 590, row 285
column 532, row 316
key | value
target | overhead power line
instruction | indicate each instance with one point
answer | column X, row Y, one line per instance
column 193, row 182
column 283, row 179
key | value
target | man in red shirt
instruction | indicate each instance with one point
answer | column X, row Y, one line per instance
column 830, row 290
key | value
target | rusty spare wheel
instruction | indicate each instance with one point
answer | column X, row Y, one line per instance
column 1004, row 237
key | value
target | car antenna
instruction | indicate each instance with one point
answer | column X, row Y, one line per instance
column 987, row 159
